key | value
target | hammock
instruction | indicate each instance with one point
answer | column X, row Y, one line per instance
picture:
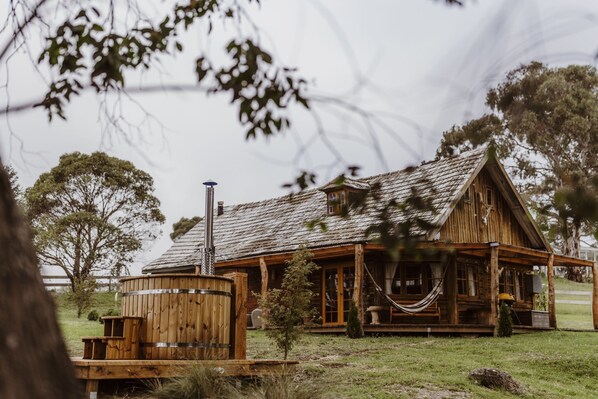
column 416, row 307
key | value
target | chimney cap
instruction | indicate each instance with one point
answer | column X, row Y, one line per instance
column 210, row 183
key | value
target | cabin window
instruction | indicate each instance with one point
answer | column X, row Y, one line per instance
column 397, row 281
column 337, row 202
column 467, row 280
column 519, row 286
column 332, row 201
column 413, row 279
column 435, row 276
column 489, row 196
column 409, row 279
column 467, row 195
column 507, row 282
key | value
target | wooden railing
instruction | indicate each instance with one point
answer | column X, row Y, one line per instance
column 102, row 281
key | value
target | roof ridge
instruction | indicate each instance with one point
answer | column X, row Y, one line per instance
column 365, row 179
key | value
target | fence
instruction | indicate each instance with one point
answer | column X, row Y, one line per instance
column 109, row 282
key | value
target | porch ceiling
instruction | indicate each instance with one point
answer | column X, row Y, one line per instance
column 506, row 253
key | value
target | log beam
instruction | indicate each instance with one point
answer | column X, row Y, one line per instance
column 595, row 296
column 264, row 289
column 358, row 283
column 494, row 285
column 451, row 286
column 551, row 301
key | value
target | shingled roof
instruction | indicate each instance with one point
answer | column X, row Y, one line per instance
column 278, row 225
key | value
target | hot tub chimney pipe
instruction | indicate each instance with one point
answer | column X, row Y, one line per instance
column 207, row 264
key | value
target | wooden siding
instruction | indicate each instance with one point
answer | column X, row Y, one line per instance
column 466, row 222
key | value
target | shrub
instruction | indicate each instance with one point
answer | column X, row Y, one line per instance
column 110, row 312
column 198, row 383
column 93, row 315
column 283, row 387
column 287, row 308
column 505, row 323
column 354, row 327
column 541, row 300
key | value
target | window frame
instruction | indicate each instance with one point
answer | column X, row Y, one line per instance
column 464, row 282
column 490, row 198
column 336, row 202
column 401, row 272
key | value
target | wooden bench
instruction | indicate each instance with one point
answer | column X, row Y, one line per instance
column 431, row 311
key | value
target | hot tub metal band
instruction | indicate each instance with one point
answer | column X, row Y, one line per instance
column 184, row 345
column 177, row 291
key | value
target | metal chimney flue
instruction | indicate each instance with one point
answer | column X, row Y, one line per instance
column 207, row 264
column 220, row 208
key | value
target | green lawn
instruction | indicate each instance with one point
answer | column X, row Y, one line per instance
column 550, row 364
column 73, row 329
column 570, row 316
column 555, row 364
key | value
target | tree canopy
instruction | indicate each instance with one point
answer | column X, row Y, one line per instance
column 13, row 179
column 544, row 121
column 91, row 213
column 183, row 226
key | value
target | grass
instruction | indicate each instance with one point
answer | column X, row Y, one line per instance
column 555, row 364
column 73, row 328
column 568, row 285
column 568, row 316
column 550, row 365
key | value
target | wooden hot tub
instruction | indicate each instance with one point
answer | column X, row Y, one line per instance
column 185, row 316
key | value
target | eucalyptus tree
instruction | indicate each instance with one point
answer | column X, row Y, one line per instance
column 183, row 226
column 544, row 121
column 91, row 213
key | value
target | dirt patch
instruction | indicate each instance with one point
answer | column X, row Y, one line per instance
column 335, row 365
column 427, row 392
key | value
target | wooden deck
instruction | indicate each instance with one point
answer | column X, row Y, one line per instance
column 93, row 371
column 424, row 329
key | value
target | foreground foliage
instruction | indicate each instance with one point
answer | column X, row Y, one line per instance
column 31, row 346
column 197, row 383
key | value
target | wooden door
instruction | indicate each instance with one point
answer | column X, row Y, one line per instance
column 337, row 293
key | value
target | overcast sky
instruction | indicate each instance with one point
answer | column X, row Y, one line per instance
column 419, row 66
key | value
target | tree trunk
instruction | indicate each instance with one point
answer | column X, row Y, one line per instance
column 571, row 248
column 33, row 358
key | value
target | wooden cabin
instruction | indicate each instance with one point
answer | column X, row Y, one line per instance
column 483, row 242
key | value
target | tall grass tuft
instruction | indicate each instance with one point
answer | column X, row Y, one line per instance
column 284, row 387
column 199, row 382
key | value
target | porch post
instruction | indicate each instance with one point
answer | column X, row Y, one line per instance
column 595, row 295
column 550, row 277
column 358, row 284
column 264, row 289
column 494, row 283
column 451, row 286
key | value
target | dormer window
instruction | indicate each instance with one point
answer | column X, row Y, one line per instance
column 341, row 192
column 337, row 202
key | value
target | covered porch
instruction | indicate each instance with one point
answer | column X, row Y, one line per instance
column 475, row 275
